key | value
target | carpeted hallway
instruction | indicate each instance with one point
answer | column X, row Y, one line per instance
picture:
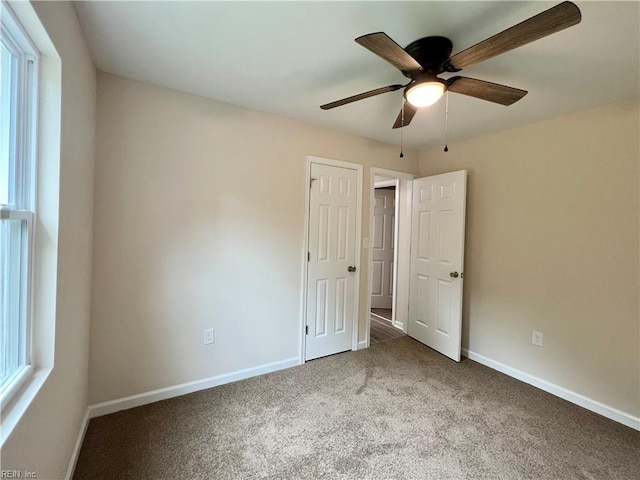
column 395, row 410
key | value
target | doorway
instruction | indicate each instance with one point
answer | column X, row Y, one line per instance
column 382, row 261
column 388, row 248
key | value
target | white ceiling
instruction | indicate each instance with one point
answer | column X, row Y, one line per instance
column 288, row 58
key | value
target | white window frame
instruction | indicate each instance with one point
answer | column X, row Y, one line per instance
column 24, row 206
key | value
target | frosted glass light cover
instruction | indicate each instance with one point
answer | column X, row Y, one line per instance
column 425, row 94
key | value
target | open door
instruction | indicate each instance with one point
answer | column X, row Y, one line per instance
column 437, row 259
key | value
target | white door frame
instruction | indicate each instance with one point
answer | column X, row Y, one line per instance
column 402, row 226
column 386, row 183
column 356, row 287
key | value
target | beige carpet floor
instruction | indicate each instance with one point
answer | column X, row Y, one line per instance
column 397, row 410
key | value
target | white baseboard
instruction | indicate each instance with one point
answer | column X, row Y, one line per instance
column 573, row 397
column 399, row 325
column 76, row 450
column 362, row 345
column 145, row 398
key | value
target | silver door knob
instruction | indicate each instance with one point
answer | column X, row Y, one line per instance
column 454, row 275
column 351, row 268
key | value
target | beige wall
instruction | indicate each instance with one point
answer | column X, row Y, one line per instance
column 552, row 245
column 199, row 222
column 44, row 439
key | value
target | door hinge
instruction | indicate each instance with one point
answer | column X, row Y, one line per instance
column 308, row 256
column 306, row 329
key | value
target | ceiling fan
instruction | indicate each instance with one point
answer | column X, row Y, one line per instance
column 423, row 60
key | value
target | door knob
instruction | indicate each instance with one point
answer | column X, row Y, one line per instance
column 351, row 268
column 454, row 274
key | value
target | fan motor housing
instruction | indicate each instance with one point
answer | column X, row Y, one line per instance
column 430, row 53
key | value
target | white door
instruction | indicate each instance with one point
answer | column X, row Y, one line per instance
column 437, row 257
column 331, row 262
column 384, row 210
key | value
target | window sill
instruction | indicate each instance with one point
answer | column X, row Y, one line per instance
column 15, row 385
column 21, row 399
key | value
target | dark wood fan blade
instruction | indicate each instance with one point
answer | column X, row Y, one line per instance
column 383, row 46
column 492, row 92
column 562, row 16
column 409, row 112
column 361, row 96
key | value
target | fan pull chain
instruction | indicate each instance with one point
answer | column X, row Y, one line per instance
column 446, row 122
column 402, row 127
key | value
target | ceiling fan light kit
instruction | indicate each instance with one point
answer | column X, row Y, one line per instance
column 424, row 59
column 425, row 93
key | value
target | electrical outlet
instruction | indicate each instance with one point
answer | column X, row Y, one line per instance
column 209, row 336
column 537, row 338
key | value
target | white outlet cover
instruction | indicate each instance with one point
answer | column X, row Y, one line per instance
column 209, row 336
column 537, row 338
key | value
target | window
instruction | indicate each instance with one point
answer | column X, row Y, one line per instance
column 18, row 102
